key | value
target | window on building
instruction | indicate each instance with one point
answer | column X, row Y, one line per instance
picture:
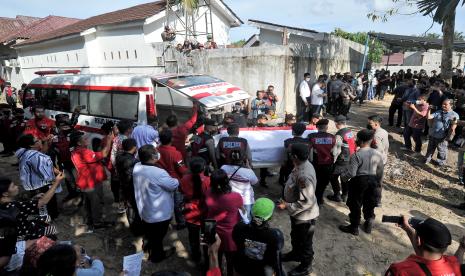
column 47, row 59
column 55, row 58
column 135, row 54
column 125, row 105
column 77, row 57
column 104, row 56
column 111, row 55
column 119, row 54
column 67, row 57
column 127, row 54
column 100, row 103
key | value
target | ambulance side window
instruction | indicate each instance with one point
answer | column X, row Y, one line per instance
column 100, row 103
column 162, row 95
column 83, row 95
column 125, row 105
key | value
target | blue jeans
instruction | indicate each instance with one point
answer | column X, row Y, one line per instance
column 248, row 208
column 371, row 92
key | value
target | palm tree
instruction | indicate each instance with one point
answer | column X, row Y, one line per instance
column 443, row 12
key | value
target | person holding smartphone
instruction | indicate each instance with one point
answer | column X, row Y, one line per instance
column 430, row 240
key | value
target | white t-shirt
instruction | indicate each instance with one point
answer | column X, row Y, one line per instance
column 360, row 83
column 317, row 92
column 304, row 90
column 242, row 182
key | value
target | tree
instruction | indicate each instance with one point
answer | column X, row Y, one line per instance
column 376, row 49
column 239, row 43
column 443, row 12
column 459, row 36
column 432, row 35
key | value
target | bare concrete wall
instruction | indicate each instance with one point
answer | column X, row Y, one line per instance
column 283, row 66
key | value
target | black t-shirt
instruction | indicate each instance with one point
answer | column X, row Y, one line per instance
column 257, row 247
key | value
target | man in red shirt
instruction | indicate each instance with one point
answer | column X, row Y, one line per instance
column 430, row 239
column 180, row 132
column 171, row 160
column 40, row 126
column 90, row 175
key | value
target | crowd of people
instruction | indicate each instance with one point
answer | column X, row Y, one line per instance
column 156, row 175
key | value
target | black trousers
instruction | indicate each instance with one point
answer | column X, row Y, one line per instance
column 302, row 240
column 154, row 234
column 52, row 205
column 362, row 196
column 339, row 186
column 115, row 186
column 70, row 180
column 344, row 108
column 194, row 241
column 323, row 174
column 392, row 112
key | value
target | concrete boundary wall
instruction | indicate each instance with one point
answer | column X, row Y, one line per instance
column 282, row 66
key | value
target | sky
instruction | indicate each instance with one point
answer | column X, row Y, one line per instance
column 319, row 15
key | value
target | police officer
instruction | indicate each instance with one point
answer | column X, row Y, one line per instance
column 298, row 130
column 203, row 144
column 345, row 147
column 365, row 172
column 321, row 145
column 233, row 142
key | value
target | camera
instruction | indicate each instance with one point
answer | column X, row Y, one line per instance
column 413, row 221
column 209, row 231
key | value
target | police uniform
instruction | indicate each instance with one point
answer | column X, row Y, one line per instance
column 232, row 143
column 288, row 165
column 345, row 147
column 365, row 171
column 203, row 145
column 321, row 145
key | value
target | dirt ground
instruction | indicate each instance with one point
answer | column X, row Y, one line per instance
column 410, row 188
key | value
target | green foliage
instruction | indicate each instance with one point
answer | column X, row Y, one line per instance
column 239, row 43
column 376, row 51
column 432, row 35
column 459, row 36
column 439, row 9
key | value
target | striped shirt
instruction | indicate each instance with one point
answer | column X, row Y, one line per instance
column 35, row 169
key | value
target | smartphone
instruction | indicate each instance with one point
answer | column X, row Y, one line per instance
column 209, row 231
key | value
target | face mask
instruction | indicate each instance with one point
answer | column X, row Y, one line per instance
column 369, row 127
column 307, row 79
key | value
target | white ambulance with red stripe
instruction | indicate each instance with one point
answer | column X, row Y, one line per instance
column 115, row 97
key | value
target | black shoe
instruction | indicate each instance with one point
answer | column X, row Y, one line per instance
column 301, row 270
column 335, row 198
column 368, row 226
column 289, row 257
column 349, row 229
column 168, row 253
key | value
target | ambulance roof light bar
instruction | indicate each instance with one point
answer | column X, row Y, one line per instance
column 57, row 72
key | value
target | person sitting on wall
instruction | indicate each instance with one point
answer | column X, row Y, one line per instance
column 168, row 34
column 210, row 44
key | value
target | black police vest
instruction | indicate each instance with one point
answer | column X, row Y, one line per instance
column 227, row 144
column 199, row 147
column 348, row 146
column 289, row 142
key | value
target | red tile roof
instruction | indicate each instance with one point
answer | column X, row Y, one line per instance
column 394, row 59
column 135, row 13
column 40, row 27
column 11, row 25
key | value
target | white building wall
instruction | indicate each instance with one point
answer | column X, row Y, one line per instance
column 155, row 27
column 53, row 55
column 271, row 37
